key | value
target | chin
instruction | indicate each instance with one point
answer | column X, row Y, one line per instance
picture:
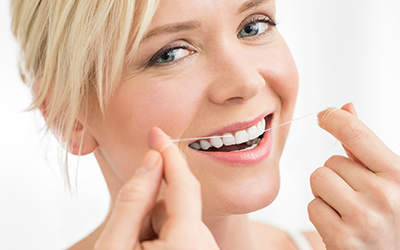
column 244, row 195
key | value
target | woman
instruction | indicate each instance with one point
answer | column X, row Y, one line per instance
column 104, row 74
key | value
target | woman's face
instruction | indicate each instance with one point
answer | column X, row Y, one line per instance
column 207, row 68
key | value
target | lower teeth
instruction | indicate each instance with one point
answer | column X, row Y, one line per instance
column 233, row 148
column 246, row 149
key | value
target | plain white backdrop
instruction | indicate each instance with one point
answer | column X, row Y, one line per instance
column 346, row 51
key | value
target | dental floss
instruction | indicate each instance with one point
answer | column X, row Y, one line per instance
column 222, row 136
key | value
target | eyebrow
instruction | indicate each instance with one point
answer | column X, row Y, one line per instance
column 176, row 27
column 172, row 28
column 250, row 4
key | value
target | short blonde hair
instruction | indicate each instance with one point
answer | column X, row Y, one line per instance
column 72, row 51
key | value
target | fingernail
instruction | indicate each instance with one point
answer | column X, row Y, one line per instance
column 160, row 132
column 154, row 134
column 150, row 160
column 141, row 170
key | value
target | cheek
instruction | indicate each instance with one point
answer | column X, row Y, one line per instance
column 281, row 74
column 169, row 104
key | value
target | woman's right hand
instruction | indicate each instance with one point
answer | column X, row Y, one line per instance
column 181, row 227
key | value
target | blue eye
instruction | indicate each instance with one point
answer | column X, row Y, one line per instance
column 172, row 55
column 253, row 29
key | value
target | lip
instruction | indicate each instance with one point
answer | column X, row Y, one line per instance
column 256, row 155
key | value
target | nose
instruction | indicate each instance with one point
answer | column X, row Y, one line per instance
column 236, row 78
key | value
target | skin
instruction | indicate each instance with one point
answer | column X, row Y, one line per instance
column 195, row 96
column 221, row 80
column 357, row 204
column 198, row 95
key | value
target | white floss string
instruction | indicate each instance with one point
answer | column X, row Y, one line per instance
column 221, row 136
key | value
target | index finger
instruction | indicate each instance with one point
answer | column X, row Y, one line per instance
column 183, row 201
column 358, row 139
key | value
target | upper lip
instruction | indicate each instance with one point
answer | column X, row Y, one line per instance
column 238, row 126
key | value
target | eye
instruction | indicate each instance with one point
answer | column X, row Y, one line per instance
column 172, row 54
column 256, row 25
column 253, row 29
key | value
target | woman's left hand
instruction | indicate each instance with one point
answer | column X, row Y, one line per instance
column 357, row 199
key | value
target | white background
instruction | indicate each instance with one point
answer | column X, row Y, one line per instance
column 346, row 51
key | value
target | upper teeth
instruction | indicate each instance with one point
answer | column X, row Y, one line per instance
column 228, row 139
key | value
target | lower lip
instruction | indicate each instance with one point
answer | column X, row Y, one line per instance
column 256, row 155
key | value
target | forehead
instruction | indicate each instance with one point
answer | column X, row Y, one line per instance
column 183, row 10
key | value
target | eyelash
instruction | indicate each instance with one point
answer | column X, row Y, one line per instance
column 262, row 19
column 153, row 60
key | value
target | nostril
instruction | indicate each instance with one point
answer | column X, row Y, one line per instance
column 235, row 100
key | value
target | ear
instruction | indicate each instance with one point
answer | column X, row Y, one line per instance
column 81, row 136
column 81, row 142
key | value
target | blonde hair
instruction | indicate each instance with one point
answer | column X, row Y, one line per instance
column 72, row 51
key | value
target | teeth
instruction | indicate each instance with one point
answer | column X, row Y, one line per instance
column 246, row 149
column 250, row 137
column 253, row 132
column 261, row 126
column 228, row 139
column 216, row 142
column 205, row 144
column 195, row 145
column 241, row 137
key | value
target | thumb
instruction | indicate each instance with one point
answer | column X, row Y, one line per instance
column 349, row 107
column 133, row 203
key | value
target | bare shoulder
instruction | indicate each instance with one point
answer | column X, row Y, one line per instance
column 270, row 237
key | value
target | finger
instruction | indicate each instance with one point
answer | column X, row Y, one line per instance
column 183, row 200
column 354, row 174
column 325, row 219
column 349, row 107
column 358, row 139
column 134, row 201
column 154, row 221
column 331, row 188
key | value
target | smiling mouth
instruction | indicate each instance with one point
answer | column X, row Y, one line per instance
column 242, row 140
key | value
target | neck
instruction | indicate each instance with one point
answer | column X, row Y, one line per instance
column 231, row 231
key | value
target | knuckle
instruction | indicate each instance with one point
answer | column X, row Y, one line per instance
column 133, row 192
column 370, row 222
column 312, row 206
column 352, row 133
column 333, row 161
column 389, row 201
column 367, row 218
column 191, row 183
column 313, row 209
column 317, row 175
column 344, row 240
